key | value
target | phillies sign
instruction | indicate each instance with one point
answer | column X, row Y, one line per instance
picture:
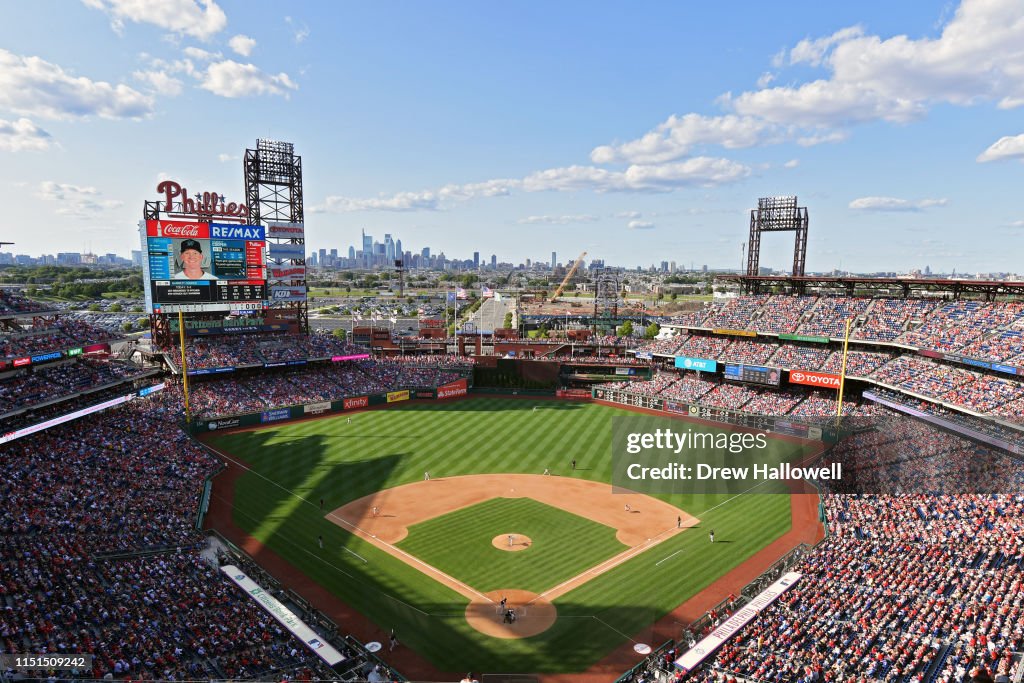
column 814, row 379
column 200, row 204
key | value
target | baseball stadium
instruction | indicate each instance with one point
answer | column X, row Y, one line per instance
column 238, row 495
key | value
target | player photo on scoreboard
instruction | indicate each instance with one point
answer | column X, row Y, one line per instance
column 192, row 260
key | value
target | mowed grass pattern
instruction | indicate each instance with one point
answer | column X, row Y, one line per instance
column 563, row 545
column 295, row 465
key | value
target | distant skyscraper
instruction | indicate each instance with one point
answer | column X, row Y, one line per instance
column 367, row 250
column 323, row 258
column 476, row 260
column 352, row 253
column 554, row 259
column 398, row 249
column 494, row 261
column 389, row 248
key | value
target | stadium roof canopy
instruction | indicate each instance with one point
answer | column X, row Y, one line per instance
column 799, row 284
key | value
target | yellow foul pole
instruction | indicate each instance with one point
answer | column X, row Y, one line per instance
column 184, row 364
column 842, row 372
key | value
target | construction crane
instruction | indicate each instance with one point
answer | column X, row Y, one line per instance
column 568, row 276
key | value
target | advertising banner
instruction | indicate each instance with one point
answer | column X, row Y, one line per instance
column 286, row 251
column 277, row 229
column 356, row 402
column 146, row 391
column 18, row 433
column 736, row 333
column 282, row 293
column 75, row 352
column 284, row 616
column 20, row 362
column 43, row 357
column 451, row 390
column 625, row 371
column 316, row 408
column 210, row 371
column 802, row 338
column 707, row 647
column 226, row 423
column 395, row 396
column 275, row 415
column 644, row 355
column 358, row 356
column 814, row 379
column 701, row 364
column 287, row 272
column 572, row 393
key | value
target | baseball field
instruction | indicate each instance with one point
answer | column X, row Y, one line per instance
column 586, row 570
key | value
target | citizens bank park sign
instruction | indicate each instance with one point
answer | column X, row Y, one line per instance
column 814, row 379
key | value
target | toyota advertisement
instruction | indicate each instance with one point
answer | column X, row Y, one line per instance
column 814, row 379
column 199, row 266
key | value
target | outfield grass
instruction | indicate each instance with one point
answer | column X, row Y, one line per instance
column 295, row 465
column 563, row 545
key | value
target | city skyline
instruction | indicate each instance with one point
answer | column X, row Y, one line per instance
column 637, row 134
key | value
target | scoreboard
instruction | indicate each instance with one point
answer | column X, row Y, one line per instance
column 754, row 374
column 196, row 266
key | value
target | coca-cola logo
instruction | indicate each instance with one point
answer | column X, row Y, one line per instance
column 181, row 230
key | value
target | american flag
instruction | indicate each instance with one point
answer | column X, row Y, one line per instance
column 486, row 292
column 460, row 293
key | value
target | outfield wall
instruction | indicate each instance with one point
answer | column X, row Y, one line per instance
column 457, row 389
column 777, row 424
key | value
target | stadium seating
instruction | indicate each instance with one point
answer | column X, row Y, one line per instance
column 62, row 334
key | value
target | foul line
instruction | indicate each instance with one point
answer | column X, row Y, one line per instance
column 669, row 557
column 354, row 553
column 363, row 533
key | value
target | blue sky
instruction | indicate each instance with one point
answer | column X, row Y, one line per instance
column 638, row 132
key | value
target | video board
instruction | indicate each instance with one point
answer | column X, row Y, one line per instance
column 755, row 374
column 196, row 266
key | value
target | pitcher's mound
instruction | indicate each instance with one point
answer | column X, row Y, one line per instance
column 511, row 542
column 533, row 615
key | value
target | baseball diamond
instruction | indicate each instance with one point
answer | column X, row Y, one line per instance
column 603, row 570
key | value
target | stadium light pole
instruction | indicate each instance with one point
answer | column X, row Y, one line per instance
column 184, row 366
column 842, row 371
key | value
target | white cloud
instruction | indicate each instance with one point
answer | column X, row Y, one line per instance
column 201, row 55
column 75, row 200
column 197, row 18
column 895, row 204
column 160, row 82
column 299, row 32
column 1017, row 224
column 696, row 172
column 242, row 44
column 490, row 188
column 1007, row 147
column 978, row 56
column 557, row 220
column 402, row 201
column 677, row 136
column 23, row 135
column 223, row 157
column 30, row 85
column 640, row 225
column 792, row 163
column 628, row 214
column 813, row 51
column 231, row 79
column 765, row 79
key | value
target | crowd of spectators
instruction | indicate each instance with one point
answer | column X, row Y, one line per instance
column 890, row 317
column 748, row 352
column 923, row 376
column 28, row 388
column 828, row 317
column 783, row 313
column 12, row 303
column 959, row 324
column 58, row 335
column 921, row 586
column 224, row 351
column 664, row 347
column 100, row 555
column 736, row 314
column 218, row 396
column 701, row 346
